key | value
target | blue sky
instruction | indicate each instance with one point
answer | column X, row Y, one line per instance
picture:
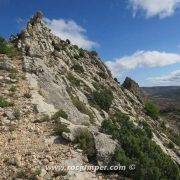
column 136, row 38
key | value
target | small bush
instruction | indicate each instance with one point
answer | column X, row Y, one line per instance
column 57, row 47
column 13, row 74
column 27, row 95
column 85, row 141
column 121, row 157
column 3, row 102
column 76, row 47
column 22, row 174
column 68, row 41
column 94, row 53
column 82, row 108
column 5, row 48
column 13, row 88
column 76, row 56
column 17, row 113
column 115, row 79
column 60, row 128
column 171, row 145
column 60, row 113
column 73, row 80
column 103, row 98
column 78, row 68
column 151, row 110
column 44, row 118
column 102, row 75
column 175, row 138
column 81, row 52
column 147, row 129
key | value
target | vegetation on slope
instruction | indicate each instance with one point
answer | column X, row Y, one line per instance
column 138, row 148
column 103, row 97
column 151, row 110
column 5, row 47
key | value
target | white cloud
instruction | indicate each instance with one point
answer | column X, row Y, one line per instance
column 69, row 29
column 139, row 59
column 161, row 8
column 171, row 79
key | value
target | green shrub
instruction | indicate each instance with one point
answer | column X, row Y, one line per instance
column 175, row 138
column 17, row 113
column 103, row 98
column 76, row 56
column 102, row 75
column 151, row 110
column 116, row 80
column 76, row 47
column 138, row 148
column 22, row 174
column 121, row 157
column 60, row 128
column 44, row 118
column 171, row 145
column 13, row 74
column 63, row 47
column 60, row 113
column 85, row 140
column 13, row 88
column 147, row 129
column 94, row 53
column 74, row 81
column 81, row 52
column 82, row 108
column 78, row 68
column 5, row 48
column 57, row 47
column 3, row 102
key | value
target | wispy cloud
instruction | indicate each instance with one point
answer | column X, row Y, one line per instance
column 160, row 8
column 69, row 29
column 172, row 78
column 20, row 20
column 139, row 59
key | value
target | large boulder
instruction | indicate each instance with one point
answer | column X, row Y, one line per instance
column 105, row 148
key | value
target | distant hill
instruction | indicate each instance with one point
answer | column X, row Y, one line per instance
column 168, row 101
column 166, row 97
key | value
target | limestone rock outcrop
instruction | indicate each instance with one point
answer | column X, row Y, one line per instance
column 58, row 82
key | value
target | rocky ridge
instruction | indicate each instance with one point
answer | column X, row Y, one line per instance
column 54, row 75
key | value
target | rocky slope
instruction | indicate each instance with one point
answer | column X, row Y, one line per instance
column 62, row 89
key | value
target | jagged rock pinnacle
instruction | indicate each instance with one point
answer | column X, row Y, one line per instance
column 132, row 86
column 38, row 16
